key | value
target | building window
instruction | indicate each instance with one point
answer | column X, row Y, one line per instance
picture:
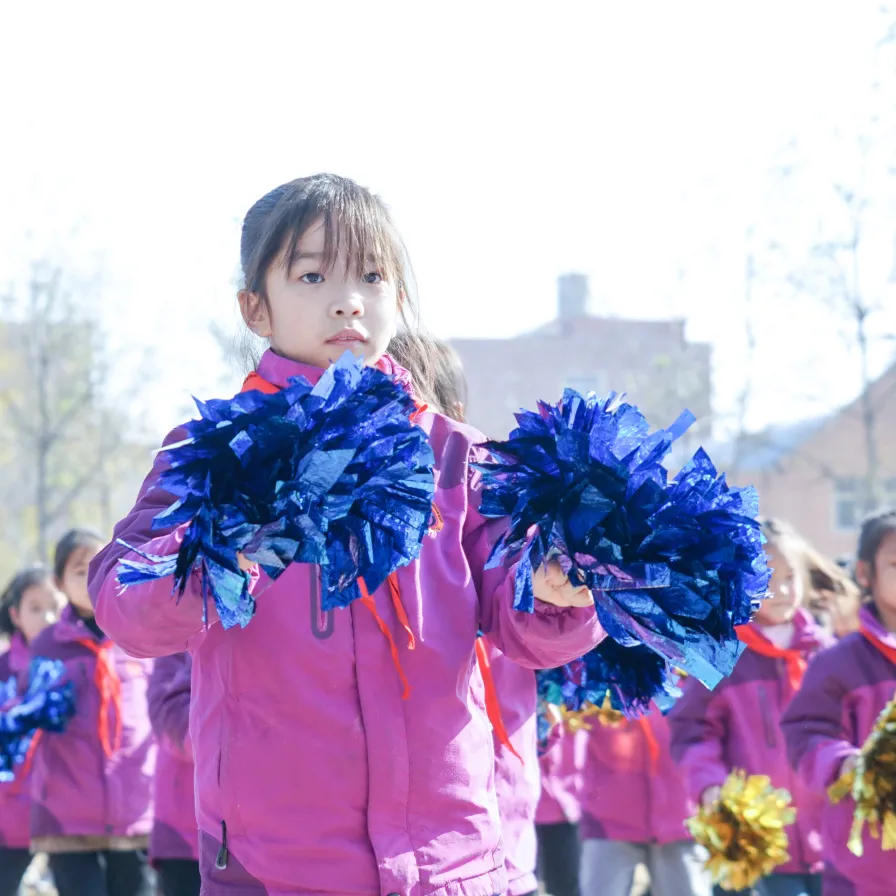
column 849, row 502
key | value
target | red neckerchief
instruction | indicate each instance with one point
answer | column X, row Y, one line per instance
column 794, row 660
column 875, row 639
column 256, row 382
column 109, row 685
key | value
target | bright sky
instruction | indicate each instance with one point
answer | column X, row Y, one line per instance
column 638, row 142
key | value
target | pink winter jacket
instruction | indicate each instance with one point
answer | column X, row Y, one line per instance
column 738, row 725
column 844, row 690
column 174, row 831
column 631, row 789
column 313, row 774
column 77, row 789
column 562, row 765
column 15, row 796
column 517, row 783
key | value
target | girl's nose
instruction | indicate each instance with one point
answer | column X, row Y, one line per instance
column 348, row 302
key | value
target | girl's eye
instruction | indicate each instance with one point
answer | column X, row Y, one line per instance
column 312, row 278
column 373, row 277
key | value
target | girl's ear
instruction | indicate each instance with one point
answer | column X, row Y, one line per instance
column 863, row 575
column 255, row 313
column 15, row 618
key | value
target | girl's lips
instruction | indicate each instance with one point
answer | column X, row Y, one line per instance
column 347, row 336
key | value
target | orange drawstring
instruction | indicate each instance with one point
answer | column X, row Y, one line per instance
column 109, row 685
column 395, row 594
column 492, row 704
column 794, row 661
column 653, row 746
column 369, row 602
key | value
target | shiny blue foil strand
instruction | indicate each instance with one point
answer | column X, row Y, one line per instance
column 336, row 475
column 48, row 704
column 674, row 565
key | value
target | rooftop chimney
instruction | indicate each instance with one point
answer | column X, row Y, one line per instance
column 572, row 296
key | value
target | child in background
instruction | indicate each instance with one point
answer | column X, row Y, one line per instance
column 92, row 783
column 29, row 604
column 558, row 813
column 341, row 752
column 834, row 598
column 737, row 725
column 174, row 842
column 633, row 811
column 844, row 690
column 508, row 694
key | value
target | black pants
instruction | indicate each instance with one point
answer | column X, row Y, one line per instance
column 13, row 865
column 558, row 858
column 179, row 877
column 102, row 874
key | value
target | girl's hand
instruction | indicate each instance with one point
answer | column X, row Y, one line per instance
column 245, row 565
column 711, row 796
column 551, row 585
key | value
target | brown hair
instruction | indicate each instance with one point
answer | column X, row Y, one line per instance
column 819, row 573
column 15, row 591
column 355, row 221
column 446, row 374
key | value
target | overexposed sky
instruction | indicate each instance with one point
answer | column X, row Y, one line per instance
column 640, row 142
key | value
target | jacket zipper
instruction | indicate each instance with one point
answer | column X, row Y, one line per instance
column 770, row 738
column 223, row 853
column 322, row 623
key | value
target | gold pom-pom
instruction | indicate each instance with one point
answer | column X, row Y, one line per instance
column 872, row 784
column 744, row 831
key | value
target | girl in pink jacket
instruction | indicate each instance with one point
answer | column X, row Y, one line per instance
column 844, row 690
column 341, row 752
column 633, row 810
column 738, row 725
column 29, row 604
column 92, row 783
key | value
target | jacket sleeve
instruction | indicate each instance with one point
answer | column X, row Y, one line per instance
column 146, row 620
column 816, row 723
column 698, row 725
column 545, row 639
column 168, row 697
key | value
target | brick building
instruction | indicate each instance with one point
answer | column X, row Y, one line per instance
column 651, row 361
column 813, row 473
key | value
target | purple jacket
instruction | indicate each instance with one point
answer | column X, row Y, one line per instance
column 843, row 692
column 631, row 788
column 15, row 797
column 561, row 779
column 77, row 789
column 738, row 725
column 309, row 762
column 174, row 831
column 517, row 784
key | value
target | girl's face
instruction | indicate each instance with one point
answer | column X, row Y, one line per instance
column 313, row 316
column 38, row 608
column 74, row 578
column 881, row 581
column 786, row 587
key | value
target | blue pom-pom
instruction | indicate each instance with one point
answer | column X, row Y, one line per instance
column 47, row 704
column 336, row 475
column 673, row 566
